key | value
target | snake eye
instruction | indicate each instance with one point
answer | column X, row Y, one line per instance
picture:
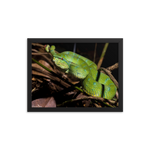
column 61, row 58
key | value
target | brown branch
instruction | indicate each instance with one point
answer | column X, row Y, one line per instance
column 48, row 59
column 115, row 66
column 98, row 106
column 34, row 50
column 37, row 44
column 46, row 74
column 40, row 53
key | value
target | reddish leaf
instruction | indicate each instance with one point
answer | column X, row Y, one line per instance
column 44, row 102
column 51, row 102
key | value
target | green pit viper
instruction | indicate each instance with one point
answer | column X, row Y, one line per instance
column 85, row 70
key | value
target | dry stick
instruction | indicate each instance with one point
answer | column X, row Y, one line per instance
column 51, row 63
column 115, row 66
column 39, row 53
column 37, row 44
column 34, row 50
column 102, row 56
column 96, row 105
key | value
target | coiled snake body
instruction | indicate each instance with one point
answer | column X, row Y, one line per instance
column 86, row 70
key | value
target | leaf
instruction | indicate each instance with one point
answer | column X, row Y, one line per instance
column 51, row 102
column 44, row 102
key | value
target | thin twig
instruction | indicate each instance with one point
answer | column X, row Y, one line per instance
column 34, row 50
column 115, row 66
column 37, row 44
column 102, row 56
column 39, row 53
column 96, row 105
column 49, row 60
column 41, row 65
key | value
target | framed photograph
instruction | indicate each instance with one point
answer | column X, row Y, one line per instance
column 75, row 75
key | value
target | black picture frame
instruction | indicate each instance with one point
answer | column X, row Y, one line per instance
column 74, row 40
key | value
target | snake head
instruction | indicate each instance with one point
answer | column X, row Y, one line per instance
column 59, row 62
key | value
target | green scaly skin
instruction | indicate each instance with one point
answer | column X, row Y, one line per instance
column 86, row 70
